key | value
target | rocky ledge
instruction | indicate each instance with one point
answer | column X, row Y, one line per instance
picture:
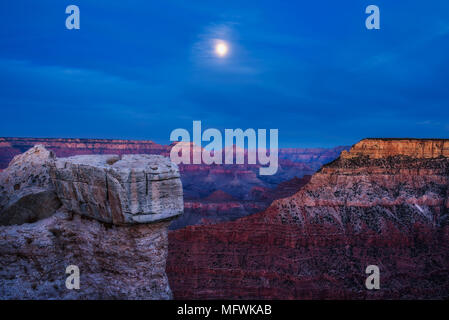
column 106, row 214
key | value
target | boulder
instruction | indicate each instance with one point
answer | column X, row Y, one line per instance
column 26, row 191
column 122, row 190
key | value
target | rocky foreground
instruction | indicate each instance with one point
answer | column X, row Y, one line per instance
column 108, row 215
column 384, row 203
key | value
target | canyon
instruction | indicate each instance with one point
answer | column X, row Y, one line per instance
column 300, row 234
column 199, row 181
column 384, row 203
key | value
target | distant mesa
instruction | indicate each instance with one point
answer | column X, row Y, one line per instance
column 377, row 148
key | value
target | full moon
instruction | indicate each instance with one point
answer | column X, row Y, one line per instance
column 221, row 49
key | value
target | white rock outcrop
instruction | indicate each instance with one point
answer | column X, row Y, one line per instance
column 127, row 190
column 43, row 226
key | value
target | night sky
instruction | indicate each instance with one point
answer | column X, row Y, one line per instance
column 139, row 69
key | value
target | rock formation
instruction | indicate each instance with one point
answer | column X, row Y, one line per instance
column 126, row 190
column 363, row 190
column 114, row 262
column 26, row 191
column 414, row 148
column 103, row 227
column 385, row 203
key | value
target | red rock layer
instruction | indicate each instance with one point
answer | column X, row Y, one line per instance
column 262, row 259
column 416, row 148
column 390, row 211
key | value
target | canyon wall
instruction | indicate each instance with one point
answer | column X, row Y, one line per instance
column 415, row 148
column 387, row 208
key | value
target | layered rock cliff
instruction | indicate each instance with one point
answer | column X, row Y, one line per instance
column 383, row 203
column 414, row 148
column 112, row 225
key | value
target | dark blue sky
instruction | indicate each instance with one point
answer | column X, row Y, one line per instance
column 139, row 69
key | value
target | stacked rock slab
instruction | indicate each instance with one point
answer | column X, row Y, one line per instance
column 127, row 190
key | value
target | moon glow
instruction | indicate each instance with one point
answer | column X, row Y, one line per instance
column 221, row 49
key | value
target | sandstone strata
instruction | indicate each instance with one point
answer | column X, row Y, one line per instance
column 387, row 208
column 393, row 183
column 415, row 148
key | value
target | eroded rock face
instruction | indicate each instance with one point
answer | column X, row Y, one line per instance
column 127, row 190
column 121, row 259
column 26, row 191
column 370, row 193
column 383, row 148
column 387, row 209
column 114, row 262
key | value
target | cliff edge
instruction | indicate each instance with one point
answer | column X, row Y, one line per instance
column 377, row 148
column 107, row 215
